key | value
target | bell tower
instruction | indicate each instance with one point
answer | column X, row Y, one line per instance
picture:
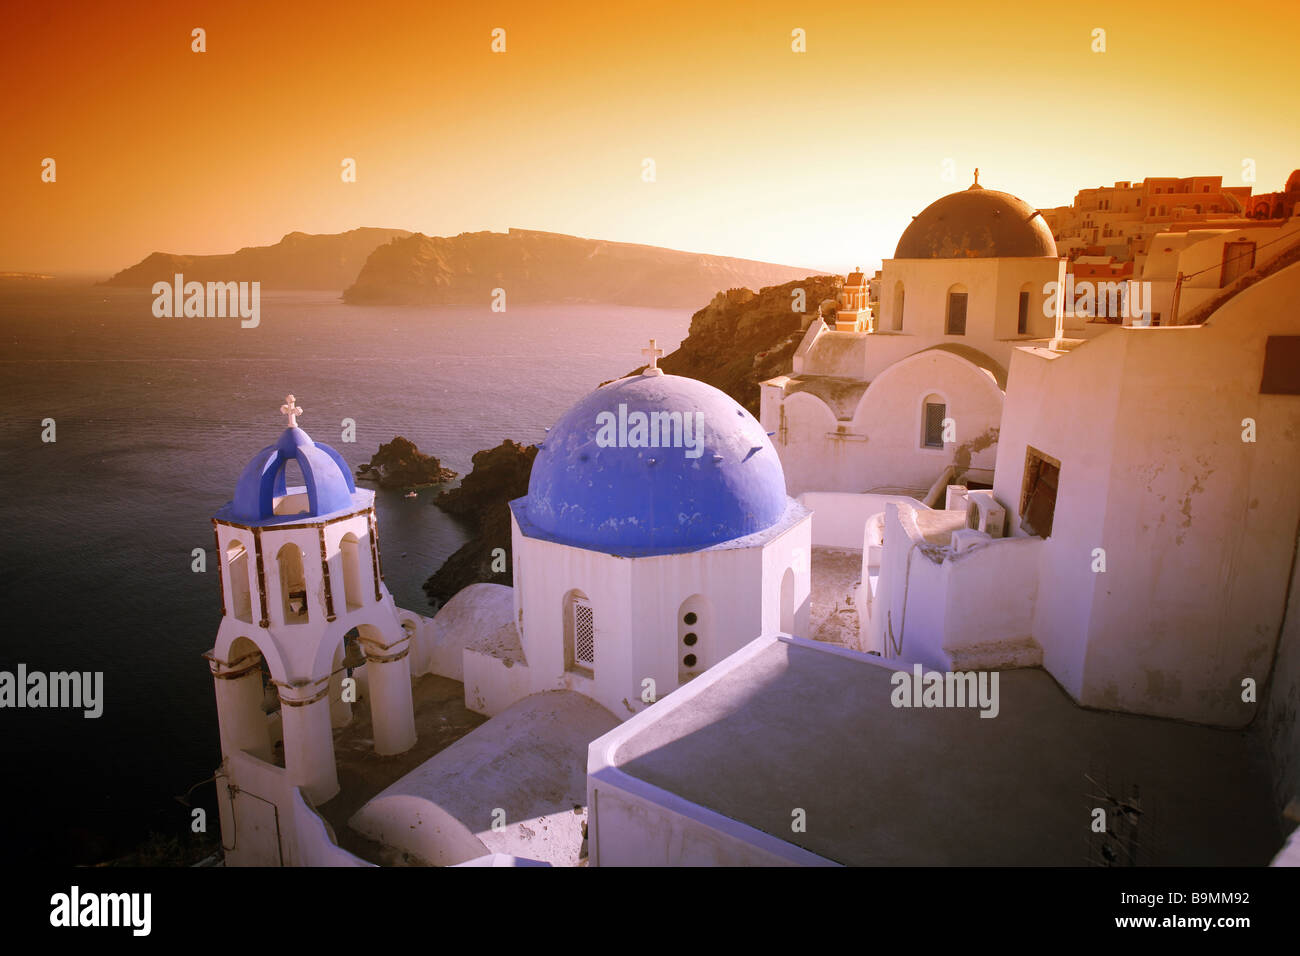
column 299, row 569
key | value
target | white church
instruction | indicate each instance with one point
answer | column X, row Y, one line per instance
column 1101, row 518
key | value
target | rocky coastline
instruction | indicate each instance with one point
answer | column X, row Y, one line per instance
column 481, row 500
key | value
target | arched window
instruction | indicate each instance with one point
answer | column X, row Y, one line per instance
column 933, row 412
column 579, row 634
column 956, row 319
column 293, row 584
column 899, row 301
column 353, row 593
column 241, row 596
column 694, row 623
column 787, row 601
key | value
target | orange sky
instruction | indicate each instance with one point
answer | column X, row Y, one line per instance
column 817, row 159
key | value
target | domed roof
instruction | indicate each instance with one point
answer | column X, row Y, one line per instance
column 1293, row 182
column 976, row 223
column 600, row 482
column 328, row 479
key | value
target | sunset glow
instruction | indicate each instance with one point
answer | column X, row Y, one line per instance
column 816, row 159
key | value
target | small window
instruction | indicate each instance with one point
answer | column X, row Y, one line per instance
column 1038, row 493
column 693, row 617
column 1022, row 318
column 584, row 635
column 579, row 634
column 956, row 313
column 934, row 415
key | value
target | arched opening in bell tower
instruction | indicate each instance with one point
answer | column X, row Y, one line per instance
column 248, row 704
column 353, row 592
column 293, row 584
column 241, row 595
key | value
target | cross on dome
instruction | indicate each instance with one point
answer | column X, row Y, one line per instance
column 653, row 353
column 291, row 409
column 977, row 175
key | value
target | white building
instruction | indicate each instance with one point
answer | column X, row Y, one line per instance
column 889, row 407
column 1187, row 272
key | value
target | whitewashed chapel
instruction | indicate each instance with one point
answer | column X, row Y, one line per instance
column 1104, row 516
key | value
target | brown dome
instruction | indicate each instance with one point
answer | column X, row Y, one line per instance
column 976, row 223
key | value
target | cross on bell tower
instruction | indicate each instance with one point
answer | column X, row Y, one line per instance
column 291, row 409
column 653, row 353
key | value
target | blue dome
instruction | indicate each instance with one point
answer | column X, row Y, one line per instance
column 329, row 481
column 600, row 483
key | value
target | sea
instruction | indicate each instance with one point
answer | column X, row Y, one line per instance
column 152, row 421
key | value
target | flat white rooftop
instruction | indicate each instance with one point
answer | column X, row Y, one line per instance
column 787, row 724
column 514, row 786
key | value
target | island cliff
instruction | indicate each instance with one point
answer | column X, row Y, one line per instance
column 546, row 267
column 298, row 261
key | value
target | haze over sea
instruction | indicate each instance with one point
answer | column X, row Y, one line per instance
column 155, row 419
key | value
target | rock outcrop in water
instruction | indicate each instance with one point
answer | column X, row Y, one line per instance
column 546, row 267
column 399, row 464
column 499, row 475
column 298, row 261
